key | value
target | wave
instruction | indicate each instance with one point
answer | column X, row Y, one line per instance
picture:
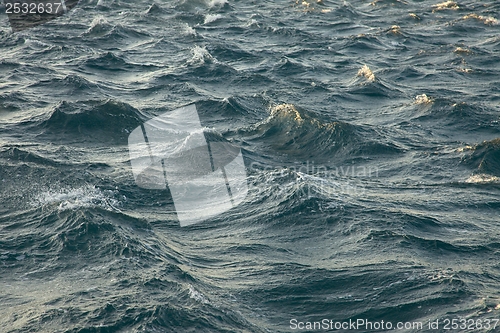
column 109, row 62
column 299, row 134
column 201, row 56
column 485, row 159
column 368, row 84
column 95, row 120
column 68, row 85
column 26, row 155
column 447, row 113
column 289, row 131
column 362, row 44
column 105, row 250
column 349, row 292
column 154, row 9
column 12, row 101
column 101, row 29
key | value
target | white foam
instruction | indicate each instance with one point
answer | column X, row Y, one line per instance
column 188, row 30
column 287, row 111
column 415, row 16
column 200, row 55
column 97, row 26
column 452, row 5
column 482, row 179
column 441, row 275
column 213, row 3
column 252, row 22
column 462, row 50
column 72, row 198
column 197, row 296
column 212, row 18
column 366, row 72
column 97, row 20
column 488, row 20
column 423, row 99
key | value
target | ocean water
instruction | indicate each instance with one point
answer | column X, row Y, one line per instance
column 371, row 138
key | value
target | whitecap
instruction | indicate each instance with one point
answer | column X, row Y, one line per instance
column 452, row 5
column 461, row 50
column 482, row 179
column 395, row 29
column 69, row 198
column 99, row 26
column 489, row 20
column 423, row 99
column 415, row 16
column 367, row 73
column 214, row 3
column 197, row 296
column 212, row 18
column 287, row 111
column 201, row 55
column 188, row 30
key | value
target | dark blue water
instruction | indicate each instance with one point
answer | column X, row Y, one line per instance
column 371, row 137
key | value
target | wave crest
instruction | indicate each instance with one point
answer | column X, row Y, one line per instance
column 486, row 159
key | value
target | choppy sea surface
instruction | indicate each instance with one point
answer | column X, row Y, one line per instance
column 371, row 136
